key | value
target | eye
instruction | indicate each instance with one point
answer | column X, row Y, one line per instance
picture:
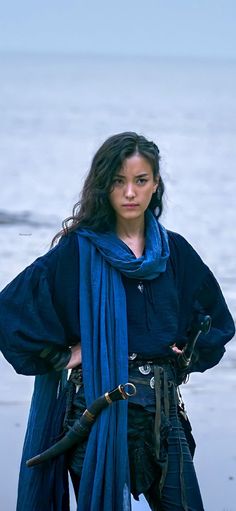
column 141, row 181
column 117, row 181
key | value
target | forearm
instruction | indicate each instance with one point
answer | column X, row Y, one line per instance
column 62, row 359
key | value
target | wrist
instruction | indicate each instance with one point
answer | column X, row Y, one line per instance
column 57, row 359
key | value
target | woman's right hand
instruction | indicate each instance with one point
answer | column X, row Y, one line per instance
column 76, row 357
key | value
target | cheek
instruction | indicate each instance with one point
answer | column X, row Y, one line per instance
column 113, row 198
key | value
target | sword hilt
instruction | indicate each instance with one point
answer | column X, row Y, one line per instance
column 202, row 327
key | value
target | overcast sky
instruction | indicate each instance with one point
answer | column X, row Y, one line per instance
column 126, row 27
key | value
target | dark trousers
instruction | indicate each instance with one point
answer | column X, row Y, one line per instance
column 167, row 480
column 180, row 491
column 179, row 472
column 159, row 442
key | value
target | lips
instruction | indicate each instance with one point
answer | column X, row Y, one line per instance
column 130, row 205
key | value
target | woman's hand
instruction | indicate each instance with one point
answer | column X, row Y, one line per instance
column 76, row 357
column 176, row 349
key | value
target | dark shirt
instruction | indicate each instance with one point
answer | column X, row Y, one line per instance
column 152, row 314
column 40, row 308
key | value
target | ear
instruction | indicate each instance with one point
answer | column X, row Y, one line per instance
column 155, row 186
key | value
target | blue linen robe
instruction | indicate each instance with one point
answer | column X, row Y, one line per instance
column 41, row 306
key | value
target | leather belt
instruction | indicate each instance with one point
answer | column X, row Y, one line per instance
column 148, row 381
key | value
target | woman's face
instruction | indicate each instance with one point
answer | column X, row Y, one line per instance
column 132, row 188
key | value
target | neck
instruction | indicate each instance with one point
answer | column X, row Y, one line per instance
column 132, row 233
column 130, row 229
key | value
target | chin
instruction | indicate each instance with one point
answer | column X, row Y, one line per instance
column 126, row 215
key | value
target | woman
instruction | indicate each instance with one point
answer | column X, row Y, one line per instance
column 120, row 295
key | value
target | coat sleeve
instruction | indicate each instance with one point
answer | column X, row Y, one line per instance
column 199, row 293
column 39, row 309
column 210, row 348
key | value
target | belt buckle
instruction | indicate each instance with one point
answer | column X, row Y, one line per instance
column 152, row 382
column 133, row 356
column 145, row 369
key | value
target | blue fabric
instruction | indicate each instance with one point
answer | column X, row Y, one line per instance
column 118, row 254
column 44, row 487
column 40, row 307
column 104, row 340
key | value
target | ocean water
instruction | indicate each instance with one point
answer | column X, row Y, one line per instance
column 55, row 111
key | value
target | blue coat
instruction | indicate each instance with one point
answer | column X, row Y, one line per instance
column 40, row 306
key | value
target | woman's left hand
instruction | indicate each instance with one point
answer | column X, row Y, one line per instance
column 76, row 357
column 176, row 349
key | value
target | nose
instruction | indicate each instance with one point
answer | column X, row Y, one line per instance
column 129, row 191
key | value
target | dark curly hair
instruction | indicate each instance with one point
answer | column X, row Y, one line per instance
column 94, row 210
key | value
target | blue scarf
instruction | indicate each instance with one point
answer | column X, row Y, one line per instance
column 44, row 487
column 105, row 478
column 103, row 258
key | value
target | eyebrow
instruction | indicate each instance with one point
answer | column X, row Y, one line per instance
column 142, row 174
